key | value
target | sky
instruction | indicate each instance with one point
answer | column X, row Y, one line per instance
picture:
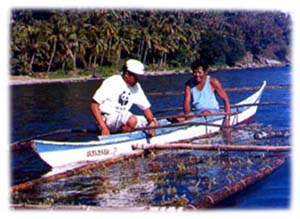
column 288, row 6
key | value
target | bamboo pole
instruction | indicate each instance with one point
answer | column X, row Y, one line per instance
column 196, row 115
column 99, row 208
column 84, row 208
column 179, row 125
column 259, row 104
column 170, row 109
column 78, row 170
column 232, row 89
column 177, row 146
column 212, row 199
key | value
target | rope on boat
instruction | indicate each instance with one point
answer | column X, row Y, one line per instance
column 212, row 199
column 232, row 89
column 211, row 147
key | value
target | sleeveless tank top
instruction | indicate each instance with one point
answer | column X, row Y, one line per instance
column 203, row 99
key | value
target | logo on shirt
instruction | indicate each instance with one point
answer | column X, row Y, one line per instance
column 123, row 98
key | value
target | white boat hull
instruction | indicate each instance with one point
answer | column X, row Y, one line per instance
column 59, row 154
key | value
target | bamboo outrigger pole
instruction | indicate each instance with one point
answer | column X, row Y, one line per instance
column 230, row 89
column 78, row 170
column 195, row 115
column 212, row 199
column 231, row 106
column 211, row 147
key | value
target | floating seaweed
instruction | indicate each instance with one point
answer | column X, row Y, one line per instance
column 176, row 175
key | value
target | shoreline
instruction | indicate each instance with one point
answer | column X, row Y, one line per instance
column 27, row 80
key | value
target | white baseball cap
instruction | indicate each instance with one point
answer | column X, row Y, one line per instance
column 135, row 66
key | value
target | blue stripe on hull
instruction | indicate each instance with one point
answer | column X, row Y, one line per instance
column 47, row 146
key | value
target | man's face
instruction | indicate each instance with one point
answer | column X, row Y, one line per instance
column 131, row 79
column 199, row 74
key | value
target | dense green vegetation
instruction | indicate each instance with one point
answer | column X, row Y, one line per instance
column 100, row 40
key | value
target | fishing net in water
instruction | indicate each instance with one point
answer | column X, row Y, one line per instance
column 181, row 178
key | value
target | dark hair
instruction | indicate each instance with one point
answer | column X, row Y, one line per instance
column 200, row 62
column 124, row 68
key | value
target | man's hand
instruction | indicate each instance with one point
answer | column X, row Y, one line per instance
column 227, row 121
column 152, row 131
column 226, row 124
column 105, row 131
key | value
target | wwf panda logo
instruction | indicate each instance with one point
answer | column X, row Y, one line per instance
column 123, row 98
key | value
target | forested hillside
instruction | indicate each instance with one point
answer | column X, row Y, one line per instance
column 100, row 40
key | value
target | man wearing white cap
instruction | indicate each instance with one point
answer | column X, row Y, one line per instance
column 112, row 101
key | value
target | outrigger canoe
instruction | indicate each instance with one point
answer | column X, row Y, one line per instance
column 59, row 154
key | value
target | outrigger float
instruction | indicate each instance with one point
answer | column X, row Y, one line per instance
column 59, row 154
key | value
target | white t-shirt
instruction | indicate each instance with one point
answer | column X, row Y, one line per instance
column 114, row 95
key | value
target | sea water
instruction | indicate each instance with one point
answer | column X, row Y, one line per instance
column 42, row 108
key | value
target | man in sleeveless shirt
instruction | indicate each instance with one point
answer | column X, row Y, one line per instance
column 112, row 101
column 200, row 92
